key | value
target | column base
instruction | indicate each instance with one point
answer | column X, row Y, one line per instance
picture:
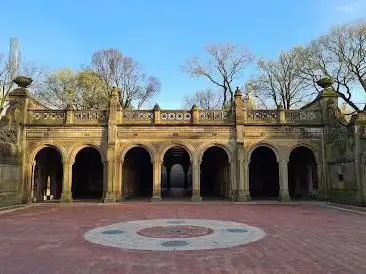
column 26, row 200
column 156, row 198
column 109, row 197
column 66, row 198
column 241, row 196
column 285, row 197
column 196, row 198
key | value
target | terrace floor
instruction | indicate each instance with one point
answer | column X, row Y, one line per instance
column 183, row 237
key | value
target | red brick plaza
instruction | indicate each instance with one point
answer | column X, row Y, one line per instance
column 299, row 239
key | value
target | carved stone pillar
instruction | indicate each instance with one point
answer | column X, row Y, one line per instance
column 32, row 181
column 283, row 179
column 242, row 193
column 196, row 174
column 118, row 185
column 156, row 195
column 110, row 176
column 310, row 179
column 66, row 195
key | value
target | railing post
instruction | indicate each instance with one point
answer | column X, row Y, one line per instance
column 156, row 111
column 69, row 114
column 195, row 114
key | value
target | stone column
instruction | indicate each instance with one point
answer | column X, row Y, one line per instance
column 66, row 195
column 196, row 174
column 242, row 193
column 283, row 179
column 118, row 185
column 310, row 179
column 110, row 177
column 156, row 195
column 32, row 181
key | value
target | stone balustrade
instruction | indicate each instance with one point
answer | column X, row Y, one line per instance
column 175, row 116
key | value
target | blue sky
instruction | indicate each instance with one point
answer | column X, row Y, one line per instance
column 162, row 35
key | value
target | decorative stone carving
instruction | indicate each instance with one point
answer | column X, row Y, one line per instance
column 9, row 134
column 300, row 115
column 138, row 115
column 48, row 114
column 214, row 115
column 90, row 115
column 179, row 116
column 262, row 115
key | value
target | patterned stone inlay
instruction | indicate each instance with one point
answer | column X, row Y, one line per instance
column 112, row 232
column 177, row 231
column 174, row 243
column 174, row 234
column 237, row 230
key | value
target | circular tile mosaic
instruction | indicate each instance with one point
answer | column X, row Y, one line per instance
column 179, row 234
column 174, row 231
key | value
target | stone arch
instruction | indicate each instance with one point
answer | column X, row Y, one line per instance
column 260, row 144
column 189, row 148
column 303, row 171
column 46, row 172
column 77, row 148
column 127, row 148
column 312, row 148
column 202, row 149
column 39, row 147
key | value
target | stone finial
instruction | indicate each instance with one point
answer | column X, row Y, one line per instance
column 325, row 82
column 23, row 81
column 114, row 91
column 194, row 107
column 156, row 107
column 238, row 92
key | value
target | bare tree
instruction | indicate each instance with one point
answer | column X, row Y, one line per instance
column 117, row 70
column 204, row 99
column 340, row 55
column 281, row 81
column 224, row 68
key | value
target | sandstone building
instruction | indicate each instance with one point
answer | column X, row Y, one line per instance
column 241, row 154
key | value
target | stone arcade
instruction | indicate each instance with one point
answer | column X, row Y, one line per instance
column 241, row 154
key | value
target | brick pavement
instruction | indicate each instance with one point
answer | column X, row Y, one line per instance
column 300, row 239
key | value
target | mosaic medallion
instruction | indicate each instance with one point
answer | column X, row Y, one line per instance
column 175, row 231
column 177, row 234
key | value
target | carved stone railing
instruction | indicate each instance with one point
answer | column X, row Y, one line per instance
column 175, row 115
column 47, row 116
column 301, row 115
column 90, row 115
column 214, row 115
column 138, row 116
column 262, row 115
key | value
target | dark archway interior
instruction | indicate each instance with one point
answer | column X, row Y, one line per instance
column 215, row 173
column 303, row 182
column 177, row 179
column 87, row 175
column 263, row 174
column 48, row 173
column 137, row 173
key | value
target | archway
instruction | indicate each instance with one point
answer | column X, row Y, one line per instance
column 178, row 180
column 87, row 175
column 47, row 175
column 263, row 174
column 303, row 181
column 215, row 173
column 137, row 174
